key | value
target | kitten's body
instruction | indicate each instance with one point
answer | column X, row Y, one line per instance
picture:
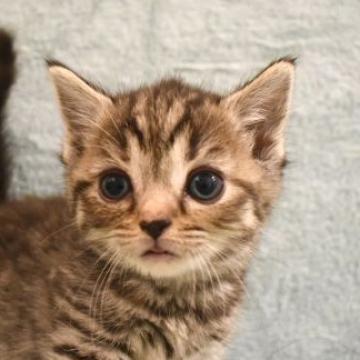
column 75, row 278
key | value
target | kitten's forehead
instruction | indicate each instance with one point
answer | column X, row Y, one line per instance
column 155, row 118
column 163, row 132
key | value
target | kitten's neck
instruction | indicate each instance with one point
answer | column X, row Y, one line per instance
column 197, row 280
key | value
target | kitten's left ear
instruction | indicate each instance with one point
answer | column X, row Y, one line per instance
column 81, row 103
column 261, row 108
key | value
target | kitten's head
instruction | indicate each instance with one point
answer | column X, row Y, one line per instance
column 170, row 178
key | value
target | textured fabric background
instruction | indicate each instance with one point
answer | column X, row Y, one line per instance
column 303, row 298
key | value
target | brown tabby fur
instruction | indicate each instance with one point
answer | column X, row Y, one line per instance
column 73, row 284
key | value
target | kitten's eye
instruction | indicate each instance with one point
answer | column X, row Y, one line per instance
column 205, row 185
column 115, row 185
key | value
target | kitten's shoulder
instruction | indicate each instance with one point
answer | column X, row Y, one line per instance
column 32, row 227
column 32, row 212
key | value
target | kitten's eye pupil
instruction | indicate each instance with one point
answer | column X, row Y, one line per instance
column 115, row 186
column 205, row 185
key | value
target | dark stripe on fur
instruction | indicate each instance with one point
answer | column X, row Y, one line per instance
column 181, row 125
column 133, row 127
column 155, row 332
column 194, row 142
column 250, row 190
column 172, row 308
column 71, row 352
column 100, row 340
column 80, row 187
column 7, row 76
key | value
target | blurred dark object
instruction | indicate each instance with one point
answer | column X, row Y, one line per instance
column 7, row 76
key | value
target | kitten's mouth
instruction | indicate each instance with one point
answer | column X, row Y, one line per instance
column 158, row 253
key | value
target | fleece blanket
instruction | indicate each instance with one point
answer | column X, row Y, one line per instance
column 303, row 290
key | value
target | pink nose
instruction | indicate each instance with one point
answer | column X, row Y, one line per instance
column 155, row 228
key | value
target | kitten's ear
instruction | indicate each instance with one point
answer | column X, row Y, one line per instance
column 81, row 103
column 261, row 108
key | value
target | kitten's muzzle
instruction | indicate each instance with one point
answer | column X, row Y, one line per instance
column 155, row 228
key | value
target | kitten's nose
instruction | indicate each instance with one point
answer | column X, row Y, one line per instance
column 155, row 228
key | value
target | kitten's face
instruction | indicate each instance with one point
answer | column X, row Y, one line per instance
column 166, row 179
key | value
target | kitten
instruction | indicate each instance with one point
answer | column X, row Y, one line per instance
column 145, row 257
column 7, row 74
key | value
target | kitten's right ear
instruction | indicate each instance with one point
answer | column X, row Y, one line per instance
column 81, row 104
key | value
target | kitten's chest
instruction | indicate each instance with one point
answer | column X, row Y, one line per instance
column 167, row 339
column 176, row 329
column 135, row 321
column 134, row 338
column 122, row 330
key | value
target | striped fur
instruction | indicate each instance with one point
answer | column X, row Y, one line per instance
column 73, row 281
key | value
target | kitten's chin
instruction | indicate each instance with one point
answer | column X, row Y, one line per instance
column 153, row 256
column 161, row 265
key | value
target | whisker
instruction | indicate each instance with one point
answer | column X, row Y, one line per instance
column 71, row 224
column 97, row 290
